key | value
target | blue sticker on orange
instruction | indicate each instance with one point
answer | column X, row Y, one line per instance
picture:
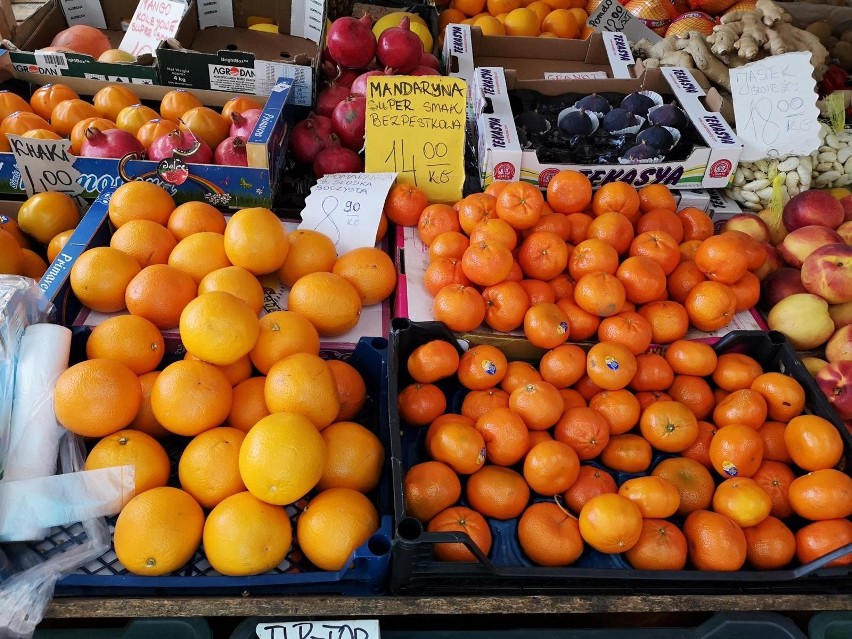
column 611, row 363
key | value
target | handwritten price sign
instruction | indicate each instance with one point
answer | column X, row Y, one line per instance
column 775, row 106
column 610, row 15
column 415, row 127
column 152, row 22
column 347, row 208
column 45, row 165
column 361, row 629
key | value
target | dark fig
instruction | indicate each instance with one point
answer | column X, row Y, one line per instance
column 641, row 152
column 594, row 103
column 619, row 119
column 637, row 103
column 532, row 122
column 668, row 115
column 576, row 122
column 657, row 136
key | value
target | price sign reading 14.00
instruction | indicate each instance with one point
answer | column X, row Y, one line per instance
column 415, row 127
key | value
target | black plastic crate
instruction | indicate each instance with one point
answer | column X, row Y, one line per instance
column 507, row 570
column 188, row 628
column 366, row 574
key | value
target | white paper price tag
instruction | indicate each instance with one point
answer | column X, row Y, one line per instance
column 45, row 165
column 347, row 208
column 775, row 106
column 612, row 16
column 215, row 13
column 360, row 629
column 153, row 21
column 88, row 12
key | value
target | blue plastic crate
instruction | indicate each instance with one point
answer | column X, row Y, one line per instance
column 367, row 573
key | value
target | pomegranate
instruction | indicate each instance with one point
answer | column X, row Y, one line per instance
column 309, row 137
column 330, row 97
column 424, row 71
column 351, row 42
column 111, row 143
column 242, row 124
column 349, row 121
column 428, row 60
column 231, row 152
column 400, row 48
column 359, row 86
column 336, row 159
column 182, row 144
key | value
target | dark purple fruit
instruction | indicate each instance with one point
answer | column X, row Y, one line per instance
column 656, row 136
column 637, row 103
column 619, row 119
column 641, row 152
column 594, row 103
column 668, row 115
column 523, row 140
column 532, row 122
column 576, row 122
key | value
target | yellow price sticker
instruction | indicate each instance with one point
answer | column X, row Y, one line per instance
column 416, row 128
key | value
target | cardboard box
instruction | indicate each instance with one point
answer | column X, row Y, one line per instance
column 255, row 185
column 95, row 230
column 502, row 158
column 224, row 55
column 414, row 302
column 45, row 68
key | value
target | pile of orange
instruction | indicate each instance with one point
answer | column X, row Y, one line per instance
column 621, row 265
column 45, row 222
column 270, row 419
column 56, row 111
column 724, row 457
column 542, row 18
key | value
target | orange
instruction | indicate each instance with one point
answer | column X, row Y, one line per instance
column 539, row 404
column 711, row 306
column 687, row 357
column 747, row 291
column 303, row 383
column 563, row 366
column 140, row 200
column 494, row 230
column 481, row 367
column 451, row 244
column 442, row 272
column 774, row 446
column 582, row 324
column 432, row 361
column 591, row 481
column 131, row 340
column 601, row 294
column 716, row 542
column 234, row 280
column 370, row 270
column 248, row 406
column 351, row 389
column 628, row 453
column 34, row 267
column 435, row 220
column 813, row 442
column 610, row 366
column 580, row 225
column 744, row 407
column 404, row 204
column 245, row 536
column 697, row 225
column 506, row 304
column 771, row 544
column 209, row 466
column 145, row 241
column 189, row 397
column 591, row 256
column 97, row 397
column 743, row 500
column 449, row 16
column 520, row 203
column 643, row 279
column 736, row 451
column 822, row 494
column 646, row 398
column 519, row 373
column 195, row 217
column 255, row 240
column 613, row 228
column 775, row 479
column 669, row 426
column 145, row 420
column 822, row 537
column 550, row 467
column 543, row 255
column 490, row 25
column 661, row 220
column 282, row 458
column 656, row 196
column 200, row 254
column 657, row 498
column 735, row 371
column 158, row 531
column 458, row 445
column 584, row 429
column 333, row 525
column 309, row 295
column 151, row 466
column 560, row 22
column 478, row 402
column 282, row 333
column 159, row 293
column 100, row 276
column 419, row 404
column 721, row 259
column 659, row 246
column 669, row 320
column 235, row 373
column 549, row 536
column 553, row 222
column 428, row 488
column 546, row 325
column 694, row 393
column 683, row 279
column 476, row 208
column 496, row 7
column 628, row 329
column 619, row 197
column 355, row 458
column 610, row 523
column 464, row 520
column 521, row 22
column 11, row 227
column 309, row 252
column 653, row 373
column 44, row 215
column 458, row 306
column 218, row 328
column 693, row 482
column 497, row 492
column 620, row 408
column 785, row 397
column 486, row 263
column 661, row 546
